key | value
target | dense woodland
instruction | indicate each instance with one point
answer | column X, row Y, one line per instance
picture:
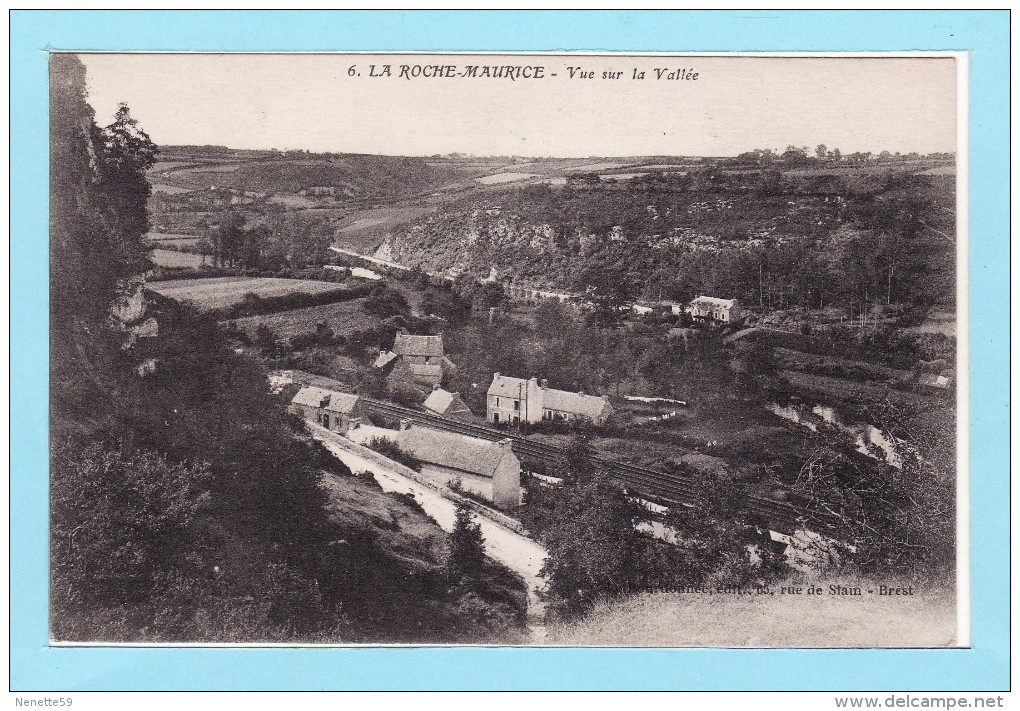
column 773, row 239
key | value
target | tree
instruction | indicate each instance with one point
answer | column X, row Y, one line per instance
column 125, row 153
column 98, row 194
column 718, row 541
column 821, row 152
column 267, row 341
column 886, row 514
column 595, row 552
column 610, row 290
column 467, row 547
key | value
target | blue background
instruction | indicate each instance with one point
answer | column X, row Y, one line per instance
column 35, row 666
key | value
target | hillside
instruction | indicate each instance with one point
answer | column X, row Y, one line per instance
column 776, row 238
column 186, row 504
column 301, row 549
column 353, row 176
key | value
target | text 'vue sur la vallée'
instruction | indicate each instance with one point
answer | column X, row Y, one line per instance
column 515, row 72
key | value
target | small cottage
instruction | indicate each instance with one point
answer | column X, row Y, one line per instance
column 333, row 410
column 489, row 469
column 447, row 404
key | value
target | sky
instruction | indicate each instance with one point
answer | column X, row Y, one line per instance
column 318, row 102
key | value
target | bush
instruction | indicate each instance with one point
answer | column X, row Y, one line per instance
column 391, row 450
column 119, row 524
column 254, row 305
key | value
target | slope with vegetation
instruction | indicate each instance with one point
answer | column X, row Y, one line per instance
column 185, row 504
column 773, row 239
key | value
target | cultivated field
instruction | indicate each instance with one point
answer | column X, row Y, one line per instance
column 504, row 178
column 344, row 318
column 170, row 258
column 221, row 292
column 364, row 230
column 169, row 189
column 172, row 237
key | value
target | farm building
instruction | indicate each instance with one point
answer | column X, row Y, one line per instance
column 488, row 469
column 417, row 358
column 333, row 410
column 443, row 402
column 710, row 308
column 515, row 400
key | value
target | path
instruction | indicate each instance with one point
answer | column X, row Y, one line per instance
column 518, row 552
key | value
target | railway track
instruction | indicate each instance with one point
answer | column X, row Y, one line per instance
column 670, row 488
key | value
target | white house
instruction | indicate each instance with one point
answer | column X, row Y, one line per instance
column 515, row 400
column 711, row 308
column 489, row 469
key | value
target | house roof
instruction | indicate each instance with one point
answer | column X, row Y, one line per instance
column 384, row 359
column 443, row 401
column 507, row 386
column 311, row 396
column 341, row 402
column 936, row 381
column 407, row 345
column 589, row 406
column 715, row 301
column 454, row 451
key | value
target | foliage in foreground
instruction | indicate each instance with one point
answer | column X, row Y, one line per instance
column 597, row 551
column 185, row 505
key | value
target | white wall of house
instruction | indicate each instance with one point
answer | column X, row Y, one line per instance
column 524, row 405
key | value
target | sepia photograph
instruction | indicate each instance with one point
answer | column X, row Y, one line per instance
column 529, row 349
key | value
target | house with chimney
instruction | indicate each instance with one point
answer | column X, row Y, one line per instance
column 420, row 359
column 515, row 400
column 485, row 468
column 715, row 310
column 336, row 411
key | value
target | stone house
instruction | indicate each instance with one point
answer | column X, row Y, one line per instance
column 417, row 358
column 333, row 410
column 489, row 469
column 514, row 400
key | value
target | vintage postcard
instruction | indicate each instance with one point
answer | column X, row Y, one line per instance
column 624, row 350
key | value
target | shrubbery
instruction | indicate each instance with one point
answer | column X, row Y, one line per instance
column 391, row 450
column 588, row 524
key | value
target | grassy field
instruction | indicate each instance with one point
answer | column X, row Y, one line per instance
column 925, row 619
column 172, row 238
column 504, row 178
column 344, row 317
column 170, row 189
column 221, row 292
column 364, row 230
column 170, row 258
